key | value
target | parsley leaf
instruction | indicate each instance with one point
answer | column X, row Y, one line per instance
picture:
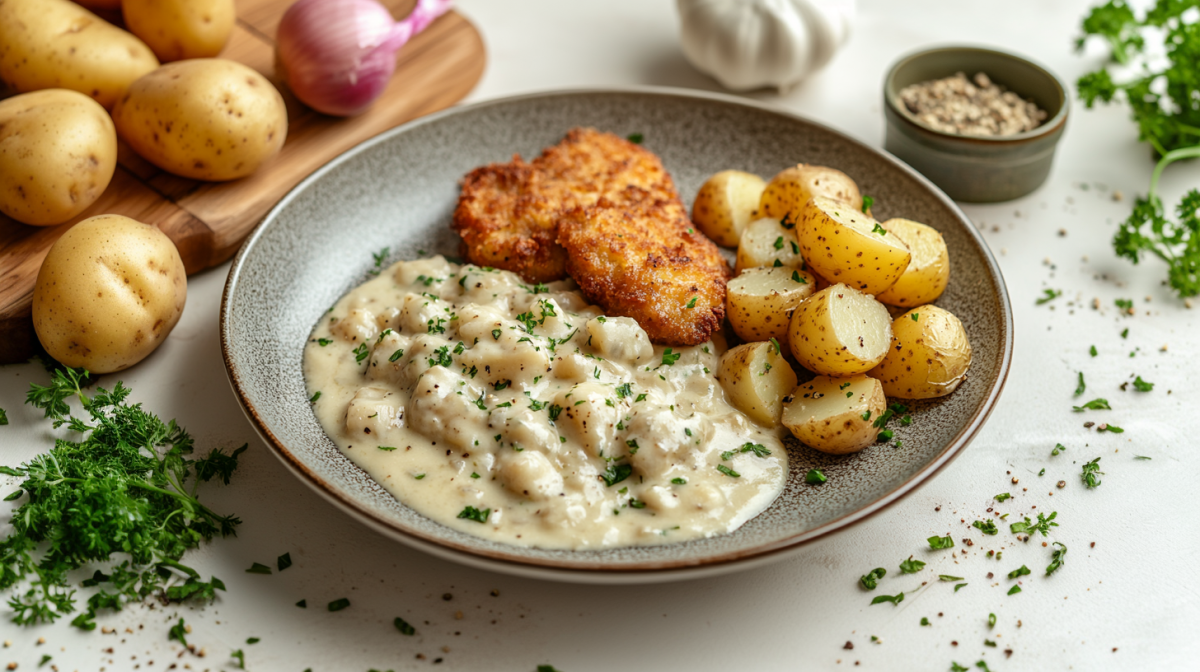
column 477, row 515
column 870, row 580
column 1048, row 295
column 1141, row 385
column 1081, row 387
column 669, row 358
column 1093, row 405
column 894, row 599
column 815, row 477
column 616, row 473
column 1057, row 558
column 1020, row 571
column 403, row 626
column 938, row 543
column 339, row 604
column 1091, row 473
column 1002, row 496
column 868, row 201
column 985, row 526
column 911, row 566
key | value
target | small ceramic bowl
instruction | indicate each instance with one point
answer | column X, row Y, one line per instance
column 976, row 169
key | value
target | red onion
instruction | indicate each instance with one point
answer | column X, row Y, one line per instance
column 338, row 55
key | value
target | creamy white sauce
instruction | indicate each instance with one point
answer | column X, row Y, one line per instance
column 459, row 386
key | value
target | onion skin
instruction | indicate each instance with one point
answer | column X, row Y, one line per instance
column 337, row 56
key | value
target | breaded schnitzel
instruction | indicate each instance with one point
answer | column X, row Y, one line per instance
column 508, row 213
column 604, row 211
column 644, row 259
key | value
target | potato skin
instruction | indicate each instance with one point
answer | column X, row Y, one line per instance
column 928, row 272
column 181, row 29
column 791, row 188
column 820, row 415
column 929, row 356
column 845, row 245
column 207, row 119
column 725, row 204
column 58, row 151
column 818, row 344
column 108, row 293
column 56, row 44
column 756, row 377
column 760, row 301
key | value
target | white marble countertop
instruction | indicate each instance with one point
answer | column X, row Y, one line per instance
column 1124, row 600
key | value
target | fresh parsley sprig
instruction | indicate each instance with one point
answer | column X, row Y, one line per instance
column 126, row 489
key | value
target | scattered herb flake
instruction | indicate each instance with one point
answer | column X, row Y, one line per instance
column 477, row 515
column 894, row 599
column 938, row 543
column 1091, row 473
column 1049, row 295
column 1093, row 405
column 870, row 580
column 339, row 604
column 815, row 477
column 911, row 566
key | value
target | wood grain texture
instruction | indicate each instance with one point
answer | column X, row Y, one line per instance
column 208, row 220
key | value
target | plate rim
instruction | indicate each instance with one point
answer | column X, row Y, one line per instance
column 590, row 571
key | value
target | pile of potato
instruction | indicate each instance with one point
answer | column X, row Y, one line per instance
column 112, row 288
column 848, row 297
column 199, row 117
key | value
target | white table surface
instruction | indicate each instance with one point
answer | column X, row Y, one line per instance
column 1129, row 602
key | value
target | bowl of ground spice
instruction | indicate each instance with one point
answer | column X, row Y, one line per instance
column 982, row 124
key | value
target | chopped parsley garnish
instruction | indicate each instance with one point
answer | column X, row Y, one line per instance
column 303, row 604
column 1057, row 558
column 441, row 357
column 360, row 353
column 1043, row 525
column 1141, row 385
column 1142, row 457
column 1020, row 571
column 339, row 604
column 911, row 566
column 1091, row 473
column 1081, row 386
column 692, row 303
column 1092, row 351
column 778, row 244
column 616, row 473
column 496, row 334
column 1049, row 295
column 679, row 481
column 669, row 358
column 985, row 526
column 239, row 656
column 815, row 477
column 894, row 599
column 1125, row 334
column 177, row 632
column 635, row 138
column 637, row 503
column 535, row 405
column 396, row 355
column 403, row 626
column 924, row 621
column 870, row 580
column 379, row 257
column 796, row 277
column 948, row 578
column 127, row 486
column 387, row 449
column 959, row 587
column 879, row 229
column 868, row 201
column 1014, row 590
column 501, row 384
column 555, row 410
column 938, row 543
column 284, row 561
column 1093, row 405
column 1124, row 304
column 727, row 471
column 419, row 476
column 313, row 399
column 324, row 341
column 624, row 390
column 1002, row 496
column 1058, row 448
column 1110, row 428
column 477, row 515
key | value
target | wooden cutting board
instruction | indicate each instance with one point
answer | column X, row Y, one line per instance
column 208, row 221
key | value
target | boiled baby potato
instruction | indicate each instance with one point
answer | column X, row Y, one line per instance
column 768, row 242
column 726, row 204
column 207, row 119
column 100, row 4
column 928, row 272
column 835, row 415
column 844, row 245
column 929, row 356
column 756, row 378
column 58, row 151
column 108, row 293
column 787, row 192
column 56, row 44
column 179, row 29
column 760, row 301
column 840, row 331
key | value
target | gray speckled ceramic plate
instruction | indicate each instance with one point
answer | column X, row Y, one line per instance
column 398, row 190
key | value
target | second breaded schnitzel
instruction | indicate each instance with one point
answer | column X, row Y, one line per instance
column 508, row 213
column 642, row 258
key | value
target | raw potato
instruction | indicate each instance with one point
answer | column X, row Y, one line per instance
column 726, row 204
column 929, row 357
column 789, row 190
column 207, row 119
column 765, row 242
column 179, row 29
column 835, row 415
column 760, row 301
column 56, row 44
column 58, row 151
column 756, row 377
column 928, row 272
column 840, row 331
column 108, row 293
column 844, row 245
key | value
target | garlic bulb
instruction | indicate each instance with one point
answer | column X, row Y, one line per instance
column 749, row 44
